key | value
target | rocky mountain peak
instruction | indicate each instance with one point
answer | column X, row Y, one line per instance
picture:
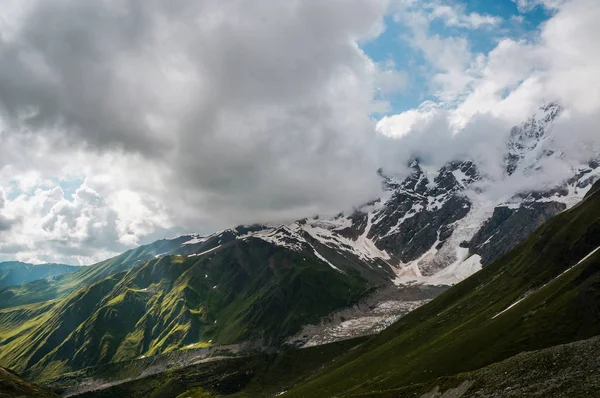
column 523, row 139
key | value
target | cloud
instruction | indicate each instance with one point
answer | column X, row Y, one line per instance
column 82, row 229
column 5, row 223
column 450, row 64
column 397, row 126
column 189, row 115
column 457, row 17
column 506, row 86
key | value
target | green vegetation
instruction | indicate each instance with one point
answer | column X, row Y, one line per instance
column 13, row 386
column 195, row 393
column 568, row 370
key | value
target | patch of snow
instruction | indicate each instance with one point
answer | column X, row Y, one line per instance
column 461, row 177
column 457, row 271
column 366, row 246
column 283, row 236
column 204, row 252
column 325, row 260
column 454, row 261
column 547, row 283
column 510, row 306
column 414, row 210
column 363, row 247
column 197, row 239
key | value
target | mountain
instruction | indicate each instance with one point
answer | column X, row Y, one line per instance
column 13, row 386
column 17, row 273
column 542, row 293
column 263, row 285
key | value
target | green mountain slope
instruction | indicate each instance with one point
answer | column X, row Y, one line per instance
column 13, row 386
column 539, row 295
column 567, row 370
column 246, row 290
column 17, row 273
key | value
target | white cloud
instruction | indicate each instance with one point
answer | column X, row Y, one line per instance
column 187, row 116
column 455, row 16
column 399, row 125
column 451, row 64
column 505, row 87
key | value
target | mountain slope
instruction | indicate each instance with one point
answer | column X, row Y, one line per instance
column 566, row 370
column 17, row 273
column 13, row 386
column 544, row 292
column 246, row 290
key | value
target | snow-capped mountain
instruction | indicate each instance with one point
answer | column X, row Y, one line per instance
column 437, row 226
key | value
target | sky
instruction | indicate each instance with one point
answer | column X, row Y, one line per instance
column 127, row 121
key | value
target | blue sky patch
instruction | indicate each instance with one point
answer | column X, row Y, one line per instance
column 394, row 44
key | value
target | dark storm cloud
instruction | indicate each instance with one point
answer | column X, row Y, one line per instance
column 255, row 107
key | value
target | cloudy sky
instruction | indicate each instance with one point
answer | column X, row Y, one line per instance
column 126, row 121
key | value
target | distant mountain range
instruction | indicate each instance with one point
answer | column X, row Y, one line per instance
column 17, row 273
column 261, row 284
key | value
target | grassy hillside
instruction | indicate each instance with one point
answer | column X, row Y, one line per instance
column 473, row 325
column 13, row 386
column 567, row 370
column 246, row 290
